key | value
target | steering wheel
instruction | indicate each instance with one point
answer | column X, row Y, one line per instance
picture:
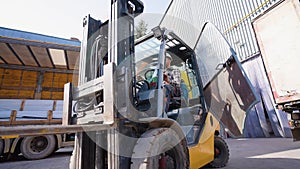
column 149, row 74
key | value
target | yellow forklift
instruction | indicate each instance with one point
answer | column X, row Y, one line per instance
column 121, row 120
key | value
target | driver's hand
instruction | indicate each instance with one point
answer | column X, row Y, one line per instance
column 166, row 79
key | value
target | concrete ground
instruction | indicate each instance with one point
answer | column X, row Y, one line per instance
column 59, row 160
column 274, row 153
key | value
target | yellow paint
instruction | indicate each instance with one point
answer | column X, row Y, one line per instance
column 9, row 136
column 185, row 78
column 203, row 153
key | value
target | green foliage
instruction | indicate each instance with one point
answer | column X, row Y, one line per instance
column 140, row 29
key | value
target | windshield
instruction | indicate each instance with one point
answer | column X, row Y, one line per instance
column 213, row 51
column 146, row 56
column 227, row 89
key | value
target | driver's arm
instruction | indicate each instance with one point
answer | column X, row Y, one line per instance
column 166, row 79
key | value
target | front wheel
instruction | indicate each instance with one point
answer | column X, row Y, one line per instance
column 160, row 148
column 221, row 153
column 38, row 147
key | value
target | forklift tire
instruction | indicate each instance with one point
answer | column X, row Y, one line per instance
column 38, row 147
column 221, row 153
column 1, row 146
column 160, row 148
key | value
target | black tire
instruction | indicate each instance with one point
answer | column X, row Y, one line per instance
column 1, row 146
column 160, row 146
column 38, row 147
column 221, row 153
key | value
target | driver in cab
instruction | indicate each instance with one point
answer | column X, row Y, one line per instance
column 172, row 80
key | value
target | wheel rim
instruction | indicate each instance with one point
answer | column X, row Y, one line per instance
column 167, row 160
column 38, row 144
column 217, row 152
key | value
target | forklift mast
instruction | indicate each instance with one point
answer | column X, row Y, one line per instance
column 106, row 62
column 106, row 46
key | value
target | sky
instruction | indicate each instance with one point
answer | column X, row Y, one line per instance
column 63, row 18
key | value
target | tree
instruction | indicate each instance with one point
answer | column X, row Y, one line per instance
column 140, row 29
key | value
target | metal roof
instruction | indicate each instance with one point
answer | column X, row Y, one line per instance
column 32, row 51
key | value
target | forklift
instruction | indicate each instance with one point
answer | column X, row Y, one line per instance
column 118, row 109
column 122, row 84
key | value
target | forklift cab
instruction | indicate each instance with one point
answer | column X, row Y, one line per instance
column 214, row 87
column 186, row 107
column 148, row 68
column 212, row 81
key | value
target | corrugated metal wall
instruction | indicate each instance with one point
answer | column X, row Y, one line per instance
column 232, row 17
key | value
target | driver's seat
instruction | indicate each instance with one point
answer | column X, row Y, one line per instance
column 181, row 97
